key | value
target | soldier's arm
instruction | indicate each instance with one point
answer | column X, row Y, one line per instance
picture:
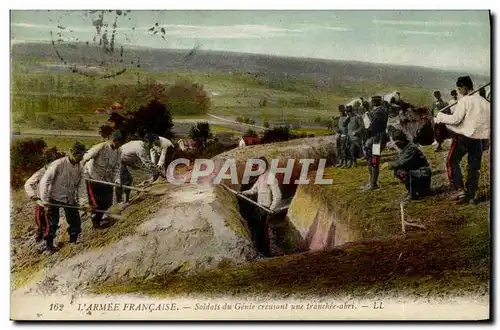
column 47, row 180
column 276, row 192
column 29, row 186
column 251, row 191
column 91, row 153
column 455, row 118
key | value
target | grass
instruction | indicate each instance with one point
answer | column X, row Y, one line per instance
column 450, row 257
column 222, row 129
column 313, row 130
column 234, row 94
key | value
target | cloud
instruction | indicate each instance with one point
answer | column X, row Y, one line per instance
column 433, row 33
column 336, row 28
column 226, row 31
column 427, row 23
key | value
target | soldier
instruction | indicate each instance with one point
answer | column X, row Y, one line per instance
column 159, row 151
column 136, row 154
column 60, row 185
column 342, row 141
column 268, row 195
column 439, row 129
column 377, row 138
column 411, row 167
column 102, row 162
column 470, row 126
column 31, row 187
column 355, row 128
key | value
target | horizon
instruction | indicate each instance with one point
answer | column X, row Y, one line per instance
column 429, row 39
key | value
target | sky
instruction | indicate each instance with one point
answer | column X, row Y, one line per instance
column 450, row 40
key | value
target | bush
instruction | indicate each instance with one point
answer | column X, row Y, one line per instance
column 266, row 124
column 201, row 134
column 27, row 157
column 277, row 134
column 188, row 98
column 239, row 119
column 153, row 118
column 183, row 97
column 250, row 133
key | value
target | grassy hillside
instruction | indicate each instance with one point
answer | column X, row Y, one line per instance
column 263, row 88
column 452, row 256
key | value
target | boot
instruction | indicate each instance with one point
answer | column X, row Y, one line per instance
column 50, row 246
column 374, row 177
column 73, row 238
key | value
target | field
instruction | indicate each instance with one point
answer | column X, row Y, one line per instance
column 45, row 98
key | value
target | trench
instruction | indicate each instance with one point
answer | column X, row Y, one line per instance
column 282, row 235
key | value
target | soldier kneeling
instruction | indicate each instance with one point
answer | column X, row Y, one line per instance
column 411, row 167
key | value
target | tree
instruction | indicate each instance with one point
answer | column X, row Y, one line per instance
column 188, row 98
column 250, row 133
column 277, row 134
column 26, row 157
column 201, row 134
column 153, row 118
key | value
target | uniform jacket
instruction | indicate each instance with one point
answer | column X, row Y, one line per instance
column 410, row 158
column 135, row 155
column 61, row 182
column 32, row 184
column 103, row 162
column 471, row 117
column 378, row 124
column 343, row 120
column 160, row 151
column 268, row 195
column 355, row 127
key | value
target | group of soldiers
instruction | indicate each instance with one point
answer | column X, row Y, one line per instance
column 58, row 184
column 366, row 129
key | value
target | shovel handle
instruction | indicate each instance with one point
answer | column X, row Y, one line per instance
column 116, row 185
column 251, row 200
column 75, row 207
column 473, row 92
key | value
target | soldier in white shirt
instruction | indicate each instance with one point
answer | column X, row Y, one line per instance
column 135, row 155
column 102, row 162
column 268, row 195
column 60, row 185
column 159, row 152
column 31, row 188
column 470, row 127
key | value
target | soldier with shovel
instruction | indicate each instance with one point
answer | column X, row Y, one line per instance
column 102, row 162
column 269, row 196
column 59, row 185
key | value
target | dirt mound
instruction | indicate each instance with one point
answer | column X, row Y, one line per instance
column 195, row 227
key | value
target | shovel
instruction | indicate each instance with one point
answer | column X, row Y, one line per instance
column 155, row 190
column 473, row 92
column 238, row 194
column 110, row 214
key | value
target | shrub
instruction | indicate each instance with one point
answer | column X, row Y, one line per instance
column 27, row 157
column 250, row 133
column 152, row 118
column 277, row 134
column 201, row 134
